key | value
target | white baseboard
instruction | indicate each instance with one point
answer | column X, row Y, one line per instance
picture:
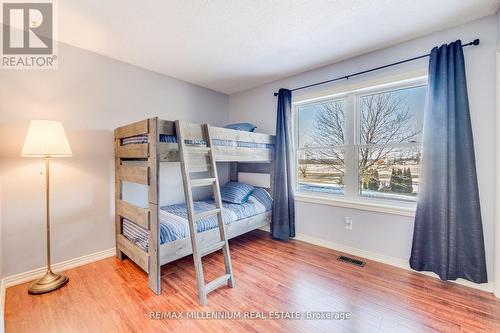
column 2, row 306
column 398, row 262
column 265, row 228
column 16, row 279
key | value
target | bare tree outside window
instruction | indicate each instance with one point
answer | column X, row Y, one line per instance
column 388, row 158
column 385, row 119
column 329, row 131
column 321, row 161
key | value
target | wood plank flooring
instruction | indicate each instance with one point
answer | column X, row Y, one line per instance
column 112, row 296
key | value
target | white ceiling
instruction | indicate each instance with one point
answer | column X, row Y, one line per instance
column 233, row 45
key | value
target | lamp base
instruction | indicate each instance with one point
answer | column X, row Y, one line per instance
column 49, row 282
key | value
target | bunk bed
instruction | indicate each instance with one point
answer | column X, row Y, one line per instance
column 142, row 233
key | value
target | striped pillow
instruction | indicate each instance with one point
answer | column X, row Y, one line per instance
column 236, row 192
column 261, row 195
column 247, row 127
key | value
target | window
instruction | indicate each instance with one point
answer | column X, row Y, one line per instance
column 320, row 165
column 362, row 145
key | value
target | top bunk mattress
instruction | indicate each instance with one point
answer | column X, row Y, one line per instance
column 174, row 224
column 173, row 139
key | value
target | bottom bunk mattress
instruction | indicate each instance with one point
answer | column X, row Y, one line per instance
column 174, row 224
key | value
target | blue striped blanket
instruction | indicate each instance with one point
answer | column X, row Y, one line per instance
column 173, row 139
column 174, row 224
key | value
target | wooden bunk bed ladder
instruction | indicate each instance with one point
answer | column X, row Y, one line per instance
column 184, row 132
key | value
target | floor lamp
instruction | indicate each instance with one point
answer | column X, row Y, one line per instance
column 46, row 138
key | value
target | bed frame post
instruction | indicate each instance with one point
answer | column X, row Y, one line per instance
column 118, row 197
column 233, row 171
column 153, row 199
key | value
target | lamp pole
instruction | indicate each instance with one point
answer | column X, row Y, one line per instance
column 50, row 281
column 47, row 208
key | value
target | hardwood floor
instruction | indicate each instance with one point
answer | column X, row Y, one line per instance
column 112, row 296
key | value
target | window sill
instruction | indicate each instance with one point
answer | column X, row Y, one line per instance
column 369, row 206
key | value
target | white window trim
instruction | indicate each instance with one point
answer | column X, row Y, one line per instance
column 380, row 206
column 350, row 199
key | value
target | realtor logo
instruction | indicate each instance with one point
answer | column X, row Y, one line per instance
column 28, row 34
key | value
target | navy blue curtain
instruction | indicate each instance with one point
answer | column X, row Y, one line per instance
column 448, row 232
column 283, row 216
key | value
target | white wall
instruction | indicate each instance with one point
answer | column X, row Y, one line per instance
column 497, row 226
column 385, row 234
column 91, row 95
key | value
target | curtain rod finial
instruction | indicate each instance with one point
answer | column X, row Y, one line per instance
column 275, row 94
column 475, row 41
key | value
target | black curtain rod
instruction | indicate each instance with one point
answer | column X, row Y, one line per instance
column 346, row 77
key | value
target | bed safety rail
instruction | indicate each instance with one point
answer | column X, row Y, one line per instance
column 138, row 255
column 138, row 163
column 133, row 213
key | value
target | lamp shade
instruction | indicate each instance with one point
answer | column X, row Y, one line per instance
column 46, row 138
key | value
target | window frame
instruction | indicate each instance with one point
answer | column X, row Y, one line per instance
column 352, row 198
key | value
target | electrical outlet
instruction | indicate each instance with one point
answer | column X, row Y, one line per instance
column 348, row 223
